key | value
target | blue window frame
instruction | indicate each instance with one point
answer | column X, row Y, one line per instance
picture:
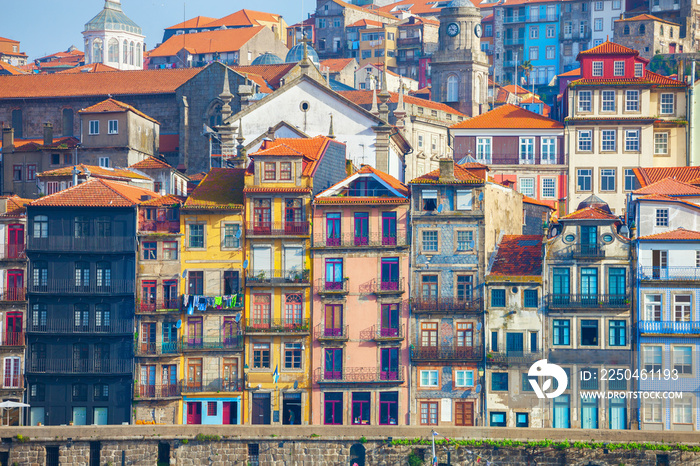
column 561, row 332
column 498, row 419
column 498, row 298
column 617, row 333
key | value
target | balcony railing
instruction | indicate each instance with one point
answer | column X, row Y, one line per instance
column 68, row 327
column 324, row 287
column 587, row 251
column 13, row 294
column 515, row 19
column 232, row 302
column 13, row 251
column 12, row 339
column 514, row 41
column 232, row 343
column 212, row 385
column 349, row 240
column 157, row 391
column 163, row 305
column 359, row 375
column 296, row 326
column 389, row 333
column 80, row 366
column 666, row 326
column 513, row 357
column 406, row 41
column 446, row 305
column 575, row 35
column 160, row 226
column 588, row 301
column 156, row 349
column 277, row 229
column 545, row 18
column 98, row 244
column 383, row 286
column 277, row 277
column 56, row 286
column 323, row 333
column 446, row 353
column 680, row 274
column 515, row 158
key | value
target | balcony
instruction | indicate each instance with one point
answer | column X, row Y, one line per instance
column 446, row 306
column 446, row 353
column 514, row 158
column 321, row 333
column 515, row 19
column 514, row 41
column 383, row 287
column 94, row 244
column 575, row 35
column 349, row 240
column 56, row 286
column 326, row 288
column 212, row 385
column 277, row 229
column 156, row 349
column 407, row 41
column 513, row 358
column 389, row 333
column 80, row 366
column 351, row 375
column 587, row 301
column 232, row 343
column 13, row 252
column 672, row 274
column 546, row 18
column 159, row 226
column 587, row 251
column 156, row 392
column 67, row 327
column 299, row 277
column 13, row 294
column 161, row 306
column 277, row 326
column 229, row 303
column 12, row 338
column 667, row 327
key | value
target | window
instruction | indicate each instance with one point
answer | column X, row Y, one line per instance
column 261, row 310
column 429, row 379
column 527, row 150
column 104, row 274
column 551, row 52
column 150, row 250
column 464, row 288
column 561, row 332
column 113, row 127
column 499, row 381
column 531, row 298
column 608, row 101
column 652, row 307
column 607, row 179
column 292, row 309
column 534, row 32
column 661, row 217
column 261, row 355
column 592, row 383
column 79, row 392
column 429, row 413
column 333, row 408
column 619, row 68
column 429, row 286
column 94, row 127
column 31, row 172
column 550, row 32
column 169, row 250
column 464, row 199
column 17, row 173
column 285, row 171
column 292, row 355
column 598, row 24
column 652, row 358
column 666, row 104
column 683, row 411
column 527, row 186
column 498, row 298
column 497, row 419
column 608, row 140
column 683, row 359
column 534, row 53
column 584, row 101
column 638, row 69
column 465, row 241
column 483, row 149
column 429, row 197
column 630, row 179
column 196, row 235
column 464, row 378
column 653, row 410
column 430, row 241
column 617, row 331
column 632, row 101
column 660, row 143
column 549, row 150
column 452, row 88
column 617, row 4
column 11, row 372
column 589, row 333
column 682, row 307
column 585, row 140
column 103, row 315
column 549, row 188
column 568, row 27
column 232, row 235
column 103, row 162
column 270, row 171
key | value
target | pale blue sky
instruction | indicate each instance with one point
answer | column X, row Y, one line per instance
column 48, row 26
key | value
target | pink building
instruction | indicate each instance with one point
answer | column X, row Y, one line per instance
column 360, row 311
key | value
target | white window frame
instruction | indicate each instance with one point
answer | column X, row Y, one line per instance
column 585, row 101
column 464, row 373
column 527, row 187
column 619, row 68
column 598, row 24
column 632, row 140
column 534, row 53
column 608, row 173
column 548, row 150
column 464, row 199
column 15, row 361
column 113, row 127
column 550, row 32
column 686, row 405
column 597, row 68
column 483, row 149
column 608, row 140
column 610, row 103
column 526, row 150
column 661, row 142
column 546, row 188
column 667, row 108
column 429, row 378
column 638, row 70
column 587, row 142
column 653, row 409
column 589, row 176
column 94, row 127
column 103, row 162
column 632, row 100
column 550, row 52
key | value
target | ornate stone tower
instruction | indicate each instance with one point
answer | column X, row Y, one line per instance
column 459, row 69
column 113, row 39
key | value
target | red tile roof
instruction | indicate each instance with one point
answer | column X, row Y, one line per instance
column 416, row 7
column 589, row 213
column 10, row 69
column 96, row 171
column 15, row 206
column 645, row 17
column 221, row 41
column 387, row 178
column 512, row 89
column 518, row 255
column 375, row 11
column 576, row 72
column 365, row 98
column 609, row 48
column 310, row 148
column 363, row 23
column 647, row 176
column 509, row 116
column 335, row 65
column 272, row 74
column 167, row 200
column 462, row 176
column 244, row 18
column 670, row 187
column 221, row 188
column 91, row 68
column 280, row 149
column 273, row 189
column 97, row 193
column 95, row 84
column 529, row 200
column 679, row 234
column 114, row 106
column 198, row 176
column 151, row 163
column 196, row 22
column 33, row 145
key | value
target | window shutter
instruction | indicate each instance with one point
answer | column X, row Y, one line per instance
column 464, row 199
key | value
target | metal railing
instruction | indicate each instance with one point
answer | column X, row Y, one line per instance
column 67, row 326
column 389, row 333
column 232, row 343
column 446, row 353
column 514, row 158
column 225, row 305
column 58, row 286
column 350, row 240
column 383, row 286
column 160, row 226
column 256, row 325
column 325, row 287
column 156, row 349
column 514, row 41
column 281, row 277
column 591, row 251
column 359, row 375
column 12, row 338
column 212, row 385
column 157, row 390
column 100, row 244
column 446, row 305
column 515, row 19
column 588, row 301
column 13, row 251
column 323, row 333
column 162, row 305
column 666, row 326
column 80, row 366
column 669, row 273
column 13, row 294
column 277, row 229
column 513, row 357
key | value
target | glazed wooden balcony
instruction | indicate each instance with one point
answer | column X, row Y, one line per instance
column 157, row 391
column 451, row 353
column 352, row 375
column 422, row 305
column 277, row 326
column 254, row 229
column 212, row 385
column 94, row 244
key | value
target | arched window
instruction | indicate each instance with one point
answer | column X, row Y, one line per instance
column 477, row 90
column 452, row 88
column 131, row 53
column 97, row 56
column 87, row 51
column 125, row 56
column 68, row 122
column 113, row 51
column 642, row 29
column 139, row 61
column 214, row 114
column 626, row 31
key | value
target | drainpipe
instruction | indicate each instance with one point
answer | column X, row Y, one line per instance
column 690, row 116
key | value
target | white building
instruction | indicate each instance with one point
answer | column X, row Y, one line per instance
column 369, row 77
column 603, row 16
column 114, row 39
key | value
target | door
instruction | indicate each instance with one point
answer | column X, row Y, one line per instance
column 261, row 408
column 334, row 274
column 514, row 344
column 291, row 409
column 293, row 263
column 464, row 413
column 361, row 229
column 616, row 285
column 334, row 320
column 659, row 262
column 618, row 414
column 561, row 285
column 226, row 412
column 390, row 274
column 148, row 381
column 79, row 416
column 390, row 320
column 194, row 412
column 562, row 418
column 390, row 364
column 230, row 332
column 293, row 224
column 230, row 375
column 194, row 332
column 332, row 229
column 99, row 416
column 148, row 338
column 589, row 286
column 13, row 329
column 15, row 285
column 262, row 259
column 589, row 239
column 589, row 413
column 194, row 374
column 169, row 380
column 15, row 241
column 333, row 364
column 389, row 228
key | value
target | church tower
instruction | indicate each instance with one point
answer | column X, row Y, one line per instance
column 459, row 69
column 113, row 39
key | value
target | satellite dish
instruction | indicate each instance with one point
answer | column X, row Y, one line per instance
column 439, row 209
column 478, row 326
column 245, row 264
column 178, row 324
column 481, row 196
column 238, row 318
column 296, row 384
column 184, row 273
column 238, row 234
column 478, row 388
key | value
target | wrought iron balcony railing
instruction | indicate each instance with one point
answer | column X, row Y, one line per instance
column 666, row 327
column 171, row 348
column 277, row 229
column 277, row 277
column 587, row 251
column 96, row 244
column 58, row 286
column 160, row 226
column 513, row 357
column 323, row 333
column 446, row 353
column 359, row 375
column 232, row 343
column 157, row 391
column 263, row 325
column 12, row 338
column 80, row 366
column 423, row 305
column 676, row 274
column 383, row 286
column 212, row 385
column 350, row 240
column 68, row 327
column 324, row 287
column 389, row 333
column 162, row 305
column 13, row 294
column 588, row 301
column 13, row 252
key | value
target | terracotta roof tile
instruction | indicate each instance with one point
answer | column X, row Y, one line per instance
column 91, row 68
column 363, row 23
column 679, row 234
column 335, row 65
column 670, row 187
column 97, row 193
column 221, row 188
column 11, row 69
column 649, row 175
column 96, row 171
column 609, row 48
column 518, row 255
column 16, row 206
column 574, row 73
column 151, row 163
column 589, row 213
column 512, row 89
column 198, row 176
column 387, row 178
column 663, row 198
column 114, row 83
column 529, row 200
column 310, row 148
column 645, row 17
column 416, row 7
column 114, row 106
column 365, row 98
column 462, row 176
column 221, row 41
column 509, row 116
column 196, row 22
column 650, row 78
column 272, row 74
column 377, row 12
column 361, row 200
column 32, row 145
column 279, row 149
column 244, row 17
column 167, row 200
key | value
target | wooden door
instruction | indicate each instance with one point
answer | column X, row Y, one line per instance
column 194, row 412
column 464, row 413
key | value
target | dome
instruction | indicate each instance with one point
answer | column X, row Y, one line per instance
column 297, row 53
column 267, row 59
column 460, row 3
column 112, row 18
column 594, row 201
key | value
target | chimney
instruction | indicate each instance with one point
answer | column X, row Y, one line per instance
column 447, row 169
column 75, row 172
column 48, row 134
column 8, row 139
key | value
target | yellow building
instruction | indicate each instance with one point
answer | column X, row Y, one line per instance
column 373, row 41
column 211, row 328
column 280, row 183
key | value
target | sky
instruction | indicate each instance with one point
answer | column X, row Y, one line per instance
column 44, row 27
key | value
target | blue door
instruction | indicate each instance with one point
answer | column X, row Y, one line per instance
column 618, row 414
column 100, row 416
column 79, row 416
column 562, row 415
column 589, row 413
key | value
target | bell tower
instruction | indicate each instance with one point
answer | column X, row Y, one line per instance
column 459, row 68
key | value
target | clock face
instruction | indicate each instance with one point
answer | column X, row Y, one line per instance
column 477, row 30
column 452, row 29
